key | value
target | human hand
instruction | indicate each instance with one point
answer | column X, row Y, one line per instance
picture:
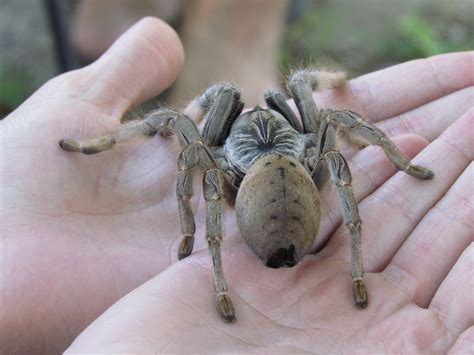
column 90, row 229
column 417, row 246
column 77, row 234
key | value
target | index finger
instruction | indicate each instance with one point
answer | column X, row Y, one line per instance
column 395, row 90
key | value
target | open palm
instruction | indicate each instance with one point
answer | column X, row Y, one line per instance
column 79, row 233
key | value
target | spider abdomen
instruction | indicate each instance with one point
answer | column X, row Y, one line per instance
column 278, row 210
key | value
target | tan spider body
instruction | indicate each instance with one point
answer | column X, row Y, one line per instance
column 269, row 163
column 278, row 210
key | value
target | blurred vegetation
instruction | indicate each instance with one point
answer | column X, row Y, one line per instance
column 366, row 35
column 13, row 89
column 357, row 35
column 418, row 39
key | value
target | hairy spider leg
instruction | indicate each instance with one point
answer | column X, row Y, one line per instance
column 213, row 186
column 362, row 132
column 342, row 179
column 301, row 85
column 156, row 121
column 219, row 105
column 195, row 154
column 325, row 123
column 198, row 155
column 277, row 102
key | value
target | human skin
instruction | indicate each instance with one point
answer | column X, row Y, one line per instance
column 84, row 235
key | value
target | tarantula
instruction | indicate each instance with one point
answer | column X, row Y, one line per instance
column 268, row 164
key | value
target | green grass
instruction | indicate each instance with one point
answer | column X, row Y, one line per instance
column 13, row 89
column 417, row 38
column 362, row 44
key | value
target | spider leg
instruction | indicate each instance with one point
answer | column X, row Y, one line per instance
column 277, row 102
column 155, row 122
column 188, row 159
column 342, row 179
column 213, row 192
column 359, row 130
column 195, row 154
column 198, row 155
column 301, row 85
column 232, row 180
column 220, row 105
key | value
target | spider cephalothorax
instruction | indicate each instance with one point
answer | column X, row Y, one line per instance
column 269, row 164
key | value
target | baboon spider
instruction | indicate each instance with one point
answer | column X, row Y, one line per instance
column 266, row 162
